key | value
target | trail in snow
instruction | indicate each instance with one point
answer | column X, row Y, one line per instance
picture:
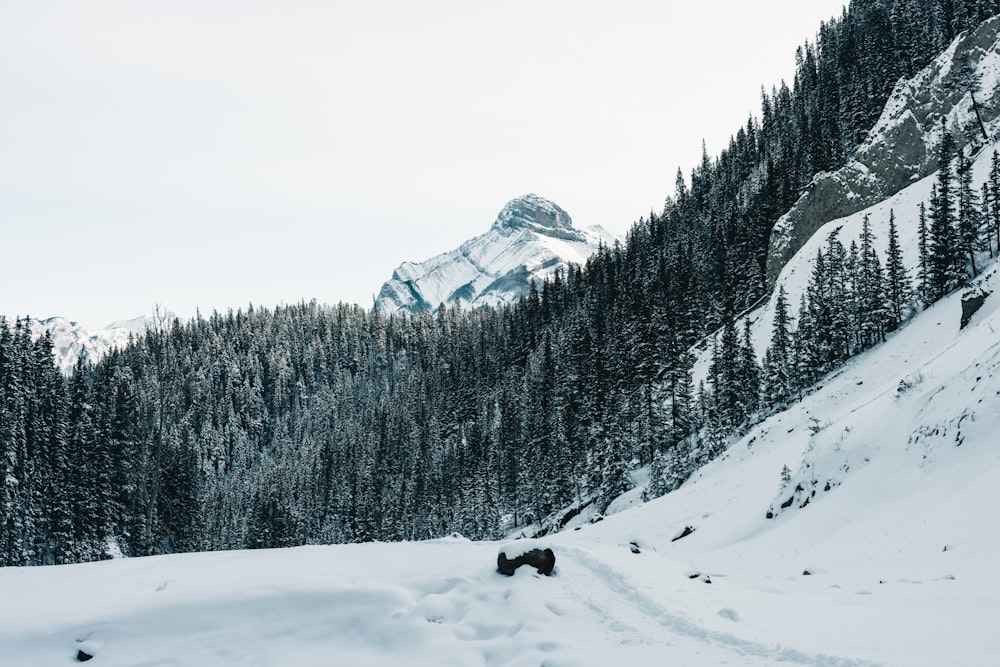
column 649, row 618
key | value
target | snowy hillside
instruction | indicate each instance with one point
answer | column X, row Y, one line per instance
column 531, row 238
column 891, row 562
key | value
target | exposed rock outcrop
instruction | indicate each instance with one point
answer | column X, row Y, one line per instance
column 902, row 147
column 972, row 301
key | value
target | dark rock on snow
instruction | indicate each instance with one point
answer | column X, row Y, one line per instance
column 684, row 533
column 971, row 302
column 542, row 559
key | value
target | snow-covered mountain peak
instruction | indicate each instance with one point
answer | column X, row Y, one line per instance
column 535, row 213
column 531, row 239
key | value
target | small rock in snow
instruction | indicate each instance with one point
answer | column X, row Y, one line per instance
column 683, row 533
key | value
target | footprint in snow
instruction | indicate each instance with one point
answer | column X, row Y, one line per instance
column 555, row 608
column 729, row 614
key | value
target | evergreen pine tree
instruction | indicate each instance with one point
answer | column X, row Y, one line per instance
column 969, row 213
column 986, row 238
column 658, row 473
column 923, row 271
column 727, row 392
column 945, row 263
column 808, row 352
column 994, row 198
column 898, row 288
column 871, row 297
column 778, row 368
column 750, row 372
column 853, row 304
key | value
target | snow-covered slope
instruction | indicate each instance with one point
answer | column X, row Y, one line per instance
column 902, row 147
column 531, row 238
column 901, row 553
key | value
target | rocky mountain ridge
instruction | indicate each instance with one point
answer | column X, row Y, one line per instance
column 531, row 239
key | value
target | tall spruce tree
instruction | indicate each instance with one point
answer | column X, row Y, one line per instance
column 969, row 217
column 994, row 198
column 750, row 372
column 778, row 371
column 871, row 298
column 898, row 287
column 945, row 261
column 924, row 269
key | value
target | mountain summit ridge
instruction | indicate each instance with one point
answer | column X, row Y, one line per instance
column 531, row 239
column 537, row 213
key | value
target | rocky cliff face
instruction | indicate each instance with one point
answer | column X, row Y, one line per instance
column 531, row 238
column 902, row 147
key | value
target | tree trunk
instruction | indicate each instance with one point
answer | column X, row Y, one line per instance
column 975, row 107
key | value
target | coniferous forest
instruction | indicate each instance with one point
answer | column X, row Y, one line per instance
column 322, row 424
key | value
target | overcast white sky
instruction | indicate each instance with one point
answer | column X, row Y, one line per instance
column 208, row 154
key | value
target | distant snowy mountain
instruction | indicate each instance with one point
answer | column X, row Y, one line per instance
column 531, row 238
column 70, row 339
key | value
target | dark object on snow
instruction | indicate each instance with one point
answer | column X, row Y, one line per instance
column 542, row 560
column 82, row 656
column 806, row 573
column 634, row 547
column 972, row 302
column 684, row 533
column 704, row 578
column 574, row 512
